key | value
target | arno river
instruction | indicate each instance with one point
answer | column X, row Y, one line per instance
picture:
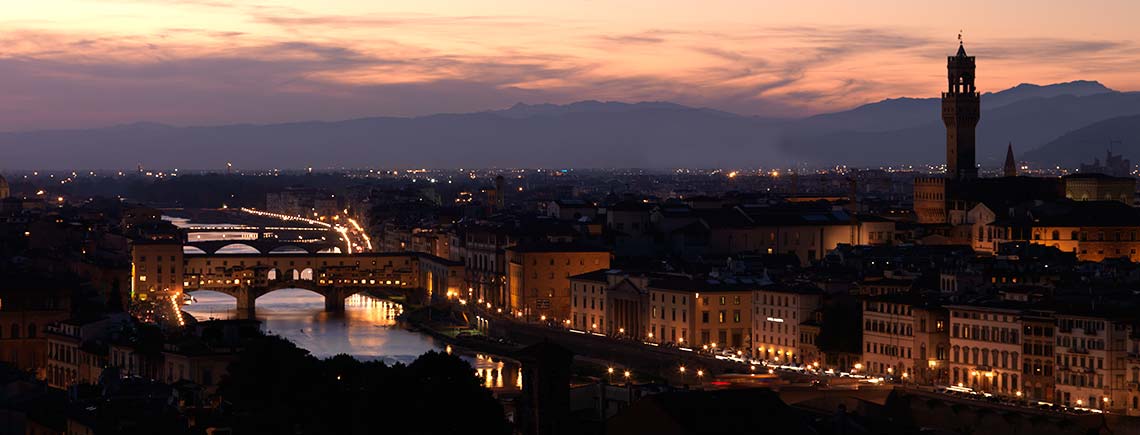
column 366, row 330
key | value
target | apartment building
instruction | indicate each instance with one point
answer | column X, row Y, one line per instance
column 588, row 292
column 1037, row 363
column 718, row 312
column 905, row 337
column 985, row 342
column 1091, row 356
column 666, row 308
column 539, row 276
column 778, row 313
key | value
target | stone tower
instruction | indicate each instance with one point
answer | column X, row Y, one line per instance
column 961, row 109
column 1010, row 169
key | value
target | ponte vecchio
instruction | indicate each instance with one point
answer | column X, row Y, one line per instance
column 162, row 268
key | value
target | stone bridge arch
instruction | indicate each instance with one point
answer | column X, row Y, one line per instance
column 288, row 249
column 272, row 247
column 247, row 296
column 230, row 247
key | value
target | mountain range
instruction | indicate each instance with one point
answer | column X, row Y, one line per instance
column 1063, row 123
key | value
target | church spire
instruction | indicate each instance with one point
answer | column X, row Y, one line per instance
column 1010, row 164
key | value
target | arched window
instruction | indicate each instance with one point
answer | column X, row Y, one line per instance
column 31, row 330
column 1056, row 235
column 15, row 331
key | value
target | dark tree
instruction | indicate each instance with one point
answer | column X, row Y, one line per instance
column 275, row 387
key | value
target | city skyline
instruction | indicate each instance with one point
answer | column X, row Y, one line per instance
column 569, row 217
column 77, row 64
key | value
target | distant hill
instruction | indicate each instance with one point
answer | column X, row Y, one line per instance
column 1027, row 115
column 586, row 134
column 1089, row 142
column 522, row 110
column 901, row 113
column 579, row 135
column 1024, row 91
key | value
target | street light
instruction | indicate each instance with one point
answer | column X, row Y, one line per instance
column 610, row 372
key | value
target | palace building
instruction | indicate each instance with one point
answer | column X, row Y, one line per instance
column 1088, row 214
column 961, row 111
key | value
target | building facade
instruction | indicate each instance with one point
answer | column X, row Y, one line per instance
column 1037, row 365
column 1100, row 187
column 778, row 314
column 1091, row 355
column 588, row 292
column 985, row 344
column 905, row 339
column 539, row 276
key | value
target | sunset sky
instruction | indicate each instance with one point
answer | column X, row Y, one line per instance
column 84, row 63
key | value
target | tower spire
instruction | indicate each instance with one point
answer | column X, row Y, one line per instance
column 1010, row 163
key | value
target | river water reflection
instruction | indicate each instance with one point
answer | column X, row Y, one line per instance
column 366, row 330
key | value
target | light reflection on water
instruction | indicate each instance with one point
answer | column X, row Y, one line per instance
column 366, row 330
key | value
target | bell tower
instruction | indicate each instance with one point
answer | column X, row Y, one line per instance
column 961, row 110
